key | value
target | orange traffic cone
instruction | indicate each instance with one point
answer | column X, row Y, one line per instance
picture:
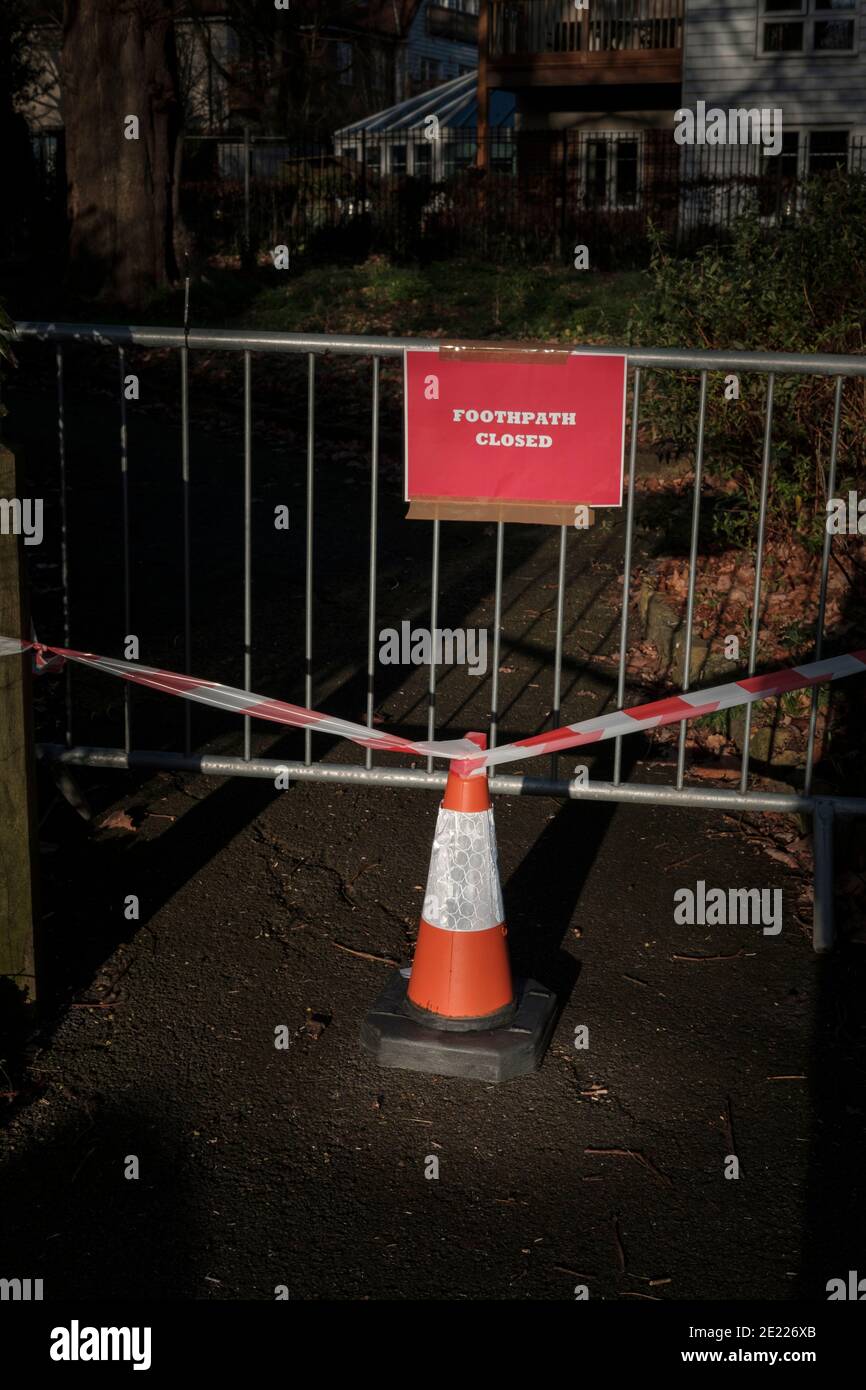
column 457, row 1012
column 461, row 976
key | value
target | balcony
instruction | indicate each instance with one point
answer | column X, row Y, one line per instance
column 456, row 24
column 551, row 43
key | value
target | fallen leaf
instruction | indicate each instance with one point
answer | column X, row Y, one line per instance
column 116, row 820
column 782, row 857
column 725, row 774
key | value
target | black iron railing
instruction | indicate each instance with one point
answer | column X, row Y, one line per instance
column 556, row 26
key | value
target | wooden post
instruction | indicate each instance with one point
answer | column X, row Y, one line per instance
column 18, row 835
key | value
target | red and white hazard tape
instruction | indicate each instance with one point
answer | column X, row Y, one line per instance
column 671, row 710
column 227, row 697
column 674, row 708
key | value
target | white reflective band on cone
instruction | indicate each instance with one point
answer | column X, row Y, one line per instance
column 463, row 889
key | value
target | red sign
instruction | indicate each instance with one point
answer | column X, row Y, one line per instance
column 545, row 431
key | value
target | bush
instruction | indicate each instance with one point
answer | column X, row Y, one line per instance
column 793, row 289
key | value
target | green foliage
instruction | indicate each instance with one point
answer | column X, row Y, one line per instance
column 793, row 289
column 18, row 62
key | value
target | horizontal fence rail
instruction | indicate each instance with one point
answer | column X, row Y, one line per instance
column 843, row 370
column 232, row 340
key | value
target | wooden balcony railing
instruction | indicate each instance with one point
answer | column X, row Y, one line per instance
column 518, row 27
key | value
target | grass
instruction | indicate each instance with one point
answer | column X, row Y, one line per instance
column 466, row 299
column 454, row 298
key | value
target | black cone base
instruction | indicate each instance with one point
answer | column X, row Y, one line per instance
column 498, row 1054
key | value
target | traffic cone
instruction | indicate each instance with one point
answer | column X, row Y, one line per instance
column 457, row 1012
column 461, row 975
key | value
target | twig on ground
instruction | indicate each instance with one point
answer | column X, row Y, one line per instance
column 365, row 955
column 630, row 1153
column 620, row 1248
column 700, row 959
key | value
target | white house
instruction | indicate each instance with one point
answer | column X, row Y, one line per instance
column 611, row 76
column 806, row 58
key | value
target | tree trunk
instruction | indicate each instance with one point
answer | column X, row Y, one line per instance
column 119, row 61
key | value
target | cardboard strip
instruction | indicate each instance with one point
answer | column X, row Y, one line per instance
column 494, row 509
column 520, row 354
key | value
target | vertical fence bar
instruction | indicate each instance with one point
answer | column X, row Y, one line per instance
column 184, row 475
column 434, row 621
column 497, row 621
column 557, row 655
column 124, row 499
column 822, row 843
column 759, row 562
column 248, row 536
column 626, row 570
column 693, row 564
column 247, row 158
column 64, row 535
column 308, row 573
column 822, row 596
column 374, row 528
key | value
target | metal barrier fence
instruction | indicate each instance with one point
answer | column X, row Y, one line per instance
column 120, row 338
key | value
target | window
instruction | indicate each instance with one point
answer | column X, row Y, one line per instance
column 459, row 153
column 398, row 159
column 834, row 35
column 626, row 173
column 783, row 38
column 789, row 155
column 828, row 150
column 596, row 172
column 806, row 26
column 502, row 153
column 344, row 64
column 423, row 158
column 780, row 174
